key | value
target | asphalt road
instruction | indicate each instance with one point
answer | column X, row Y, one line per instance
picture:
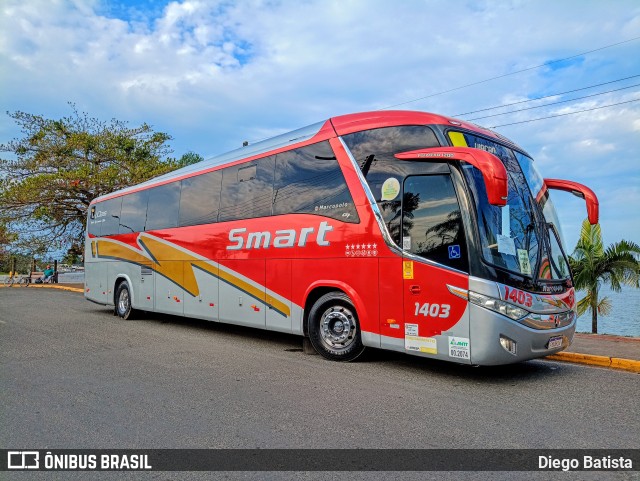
column 74, row 376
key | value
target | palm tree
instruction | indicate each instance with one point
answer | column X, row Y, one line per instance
column 593, row 266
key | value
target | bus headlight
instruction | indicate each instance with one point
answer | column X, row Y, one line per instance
column 496, row 305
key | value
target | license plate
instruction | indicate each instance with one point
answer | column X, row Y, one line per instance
column 555, row 342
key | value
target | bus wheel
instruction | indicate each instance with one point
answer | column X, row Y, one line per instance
column 333, row 328
column 123, row 301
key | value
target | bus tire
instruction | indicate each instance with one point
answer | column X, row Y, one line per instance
column 123, row 301
column 334, row 330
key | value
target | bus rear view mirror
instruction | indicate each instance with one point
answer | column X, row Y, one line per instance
column 579, row 190
column 493, row 171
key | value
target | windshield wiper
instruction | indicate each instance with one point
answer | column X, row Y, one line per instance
column 552, row 227
column 541, row 242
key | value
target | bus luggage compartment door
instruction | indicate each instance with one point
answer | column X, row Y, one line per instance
column 145, row 297
column 242, row 292
column 168, row 288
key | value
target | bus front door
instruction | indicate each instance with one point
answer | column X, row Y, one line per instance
column 433, row 267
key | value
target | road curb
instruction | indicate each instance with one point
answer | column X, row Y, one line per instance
column 593, row 360
column 56, row 286
column 49, row 286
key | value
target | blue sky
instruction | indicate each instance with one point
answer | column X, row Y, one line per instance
column 213, row 74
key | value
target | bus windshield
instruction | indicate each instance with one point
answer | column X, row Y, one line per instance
column 556, row 262
column 523, row 236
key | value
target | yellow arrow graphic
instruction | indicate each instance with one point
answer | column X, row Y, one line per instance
column 158, row 251
column 174, row 269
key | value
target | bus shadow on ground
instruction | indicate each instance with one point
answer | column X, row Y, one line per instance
column 505, row 374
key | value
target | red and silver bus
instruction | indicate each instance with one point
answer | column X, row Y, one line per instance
column 396, row 230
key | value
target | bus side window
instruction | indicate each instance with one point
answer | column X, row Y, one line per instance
column 374, row 152
column 200, row 199
column 110, row 212
column 104, row 216
column 163, row 206
column 309, row 181
column 134, row 212
column 247, row 193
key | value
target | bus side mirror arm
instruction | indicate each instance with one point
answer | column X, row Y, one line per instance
column 579, row 190
column 493, row 171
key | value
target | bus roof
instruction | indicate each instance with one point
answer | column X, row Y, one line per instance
column 339, row 125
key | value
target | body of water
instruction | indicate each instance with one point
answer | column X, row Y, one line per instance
column 624, row 319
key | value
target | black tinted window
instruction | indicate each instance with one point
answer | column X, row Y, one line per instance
column 200, row 199
column 374, row 152
column 112, row 218
column 134, row 212
column 163, row 206
column 247, row 190
column 104, row 217
column 432, row 221
column 384, row 143
column 309, row 180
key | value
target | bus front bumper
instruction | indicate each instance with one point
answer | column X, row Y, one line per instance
column 497, row 339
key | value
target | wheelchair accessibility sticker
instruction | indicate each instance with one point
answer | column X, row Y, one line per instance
column 454, row 252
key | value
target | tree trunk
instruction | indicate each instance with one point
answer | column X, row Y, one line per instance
column 594, row 312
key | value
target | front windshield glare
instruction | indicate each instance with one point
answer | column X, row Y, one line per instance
column 542, row 196
column 507, row 234
column 515, row 237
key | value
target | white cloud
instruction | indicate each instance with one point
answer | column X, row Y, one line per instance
column 216, row 73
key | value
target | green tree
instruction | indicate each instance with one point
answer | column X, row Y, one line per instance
column 59, row 166
column 190, row 158
column 73, row 255
column 593, row 266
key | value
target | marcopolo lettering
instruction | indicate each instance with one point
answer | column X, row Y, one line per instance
column 435, row 154
column 281, row 238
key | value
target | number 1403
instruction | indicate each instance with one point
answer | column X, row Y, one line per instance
column 432, row 310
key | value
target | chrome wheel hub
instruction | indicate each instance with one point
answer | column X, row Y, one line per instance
column 123, row 301
column 338, row 327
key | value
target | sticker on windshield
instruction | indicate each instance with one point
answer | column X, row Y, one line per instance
column 523, row 259
column 390, row 188
column 506, row 245
column 506, row 221
column 406, row 243
column 454, row 252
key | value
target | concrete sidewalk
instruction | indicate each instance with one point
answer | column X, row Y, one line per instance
column 616, row 352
